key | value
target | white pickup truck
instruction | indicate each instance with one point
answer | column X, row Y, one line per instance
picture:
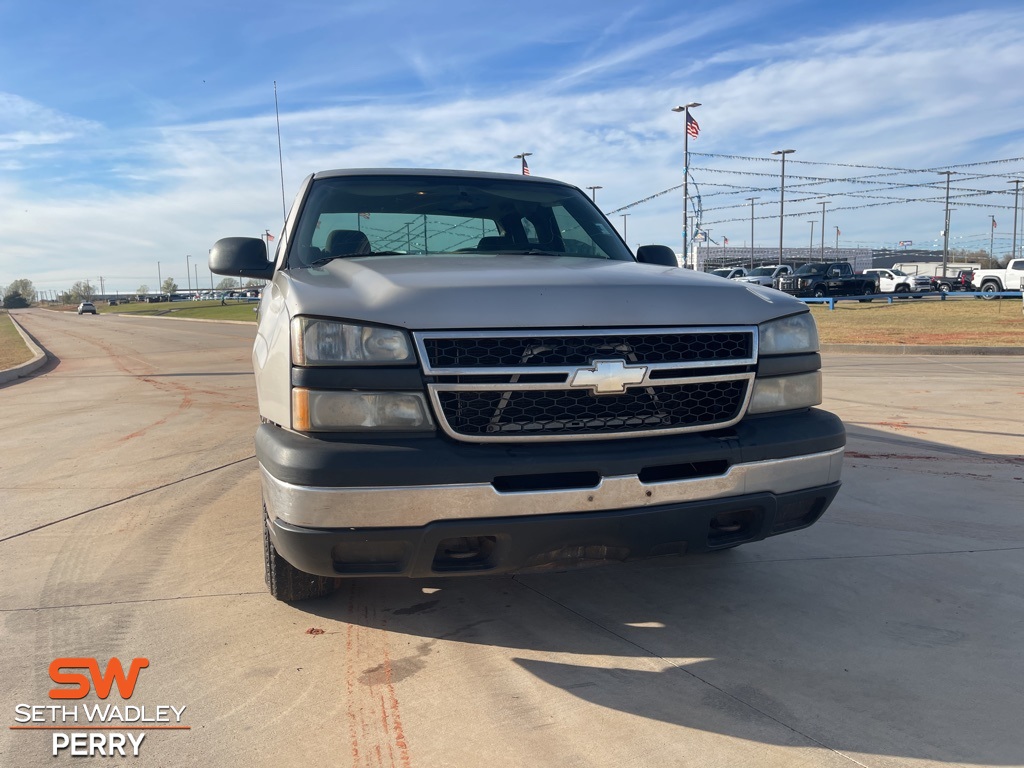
column 892, row 280
column 997, row 280
column 467, row 373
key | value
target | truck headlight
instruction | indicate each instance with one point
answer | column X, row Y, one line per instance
column 333, row 411
column 786, row 393
column 788, row 336
column 329, row 342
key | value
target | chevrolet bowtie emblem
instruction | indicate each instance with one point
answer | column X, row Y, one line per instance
column 608, row 377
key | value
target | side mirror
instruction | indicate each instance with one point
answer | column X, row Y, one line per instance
column 657, row 254
column 241, row 257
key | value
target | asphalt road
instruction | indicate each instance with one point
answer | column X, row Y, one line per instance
column 888, row 634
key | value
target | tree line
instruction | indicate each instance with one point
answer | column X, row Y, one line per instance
column 22, row 293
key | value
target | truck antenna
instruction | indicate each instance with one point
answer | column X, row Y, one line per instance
column 280, row 156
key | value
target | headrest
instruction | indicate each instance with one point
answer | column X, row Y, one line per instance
column 346, row 241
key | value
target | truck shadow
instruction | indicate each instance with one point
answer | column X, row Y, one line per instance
column 889, row 628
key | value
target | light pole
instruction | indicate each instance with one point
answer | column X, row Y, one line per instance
column 1016, row 193
column 593, row 192
column 751, row 200
column 810, row 248
column 823, row 203
column 945, row 229
column 523, row 166
column 782, row 194
column 991, row 236
column 624, row 228
column 188, row 273
column 690, row 128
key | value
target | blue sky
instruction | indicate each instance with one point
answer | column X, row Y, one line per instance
column 136, row 133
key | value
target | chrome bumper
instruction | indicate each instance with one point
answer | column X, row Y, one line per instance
column 404, row 506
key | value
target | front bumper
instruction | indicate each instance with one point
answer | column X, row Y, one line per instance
column 373, row 507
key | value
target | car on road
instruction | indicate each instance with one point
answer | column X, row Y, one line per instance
column 463, row 373
column 87, row 308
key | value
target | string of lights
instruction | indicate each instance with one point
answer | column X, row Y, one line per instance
column 882, row 186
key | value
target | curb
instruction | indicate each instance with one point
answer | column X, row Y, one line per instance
column 38, row 360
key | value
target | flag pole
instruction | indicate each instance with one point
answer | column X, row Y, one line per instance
column 685, row 109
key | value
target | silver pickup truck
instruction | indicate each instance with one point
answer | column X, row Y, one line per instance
column 470, row 373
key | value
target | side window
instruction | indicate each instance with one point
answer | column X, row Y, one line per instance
column 1019, row 265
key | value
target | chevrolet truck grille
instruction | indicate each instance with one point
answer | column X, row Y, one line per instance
column 552, row 385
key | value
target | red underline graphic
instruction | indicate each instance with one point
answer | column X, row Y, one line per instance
column 125, row 727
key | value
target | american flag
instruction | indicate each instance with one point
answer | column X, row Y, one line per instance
column 725, row 240
column 993, row 223
column 364, row 215
column 692, row 127
column 270, row 237
column 526, row 168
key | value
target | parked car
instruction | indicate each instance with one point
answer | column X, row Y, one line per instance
column 993, row 281
column 730, row 273
column 824, row 279
column 961, row 281
column 87, row 308
column 765, row 275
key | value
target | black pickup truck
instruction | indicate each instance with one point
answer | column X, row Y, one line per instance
column 821, row 280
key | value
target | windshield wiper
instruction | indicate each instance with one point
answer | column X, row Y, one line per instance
column 324, row 259
column 530, row 252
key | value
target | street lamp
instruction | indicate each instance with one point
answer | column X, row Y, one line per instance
column 685, row 109
column 523, row 167
column 593, row 192
column 188, row 273
column 751, row 200
column 991, row 236
column 945, row 229
column 782, row 194
column 810, row 247
column 823, row 203
column 624, row 228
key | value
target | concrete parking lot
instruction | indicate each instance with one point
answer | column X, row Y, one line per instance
column 886, row 635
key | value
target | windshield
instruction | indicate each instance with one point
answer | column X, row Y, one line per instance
column 899, row 273
column 377, row 215
column 812, row 269
column 762, row 272
column 722, row 272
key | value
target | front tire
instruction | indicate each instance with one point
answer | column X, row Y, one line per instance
column 286, row 582
column 945, row 287
column 869, row 290
column 820, row 292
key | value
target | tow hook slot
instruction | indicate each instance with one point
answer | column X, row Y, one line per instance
column 465, row 553
column 732, row 527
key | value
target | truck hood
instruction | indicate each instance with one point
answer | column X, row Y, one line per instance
column 487, row 291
